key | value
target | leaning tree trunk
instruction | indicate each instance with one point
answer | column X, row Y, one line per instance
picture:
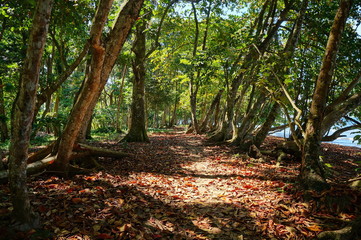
column 88, row 90
column 287, row 55
column 212, row 108
column 266, row 126
column 249, row 60
column 249, row 121
column 137, row 130
column 312, row 173
column 22, row 116
column 84, row 107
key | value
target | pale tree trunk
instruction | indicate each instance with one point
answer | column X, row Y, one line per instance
column 193, row 81
column 173, row 120
column 216, row 116
column 312, row 173
column 55, row 111
column 22, row 116
column 137, row 130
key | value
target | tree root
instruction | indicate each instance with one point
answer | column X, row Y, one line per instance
column 80, row 151
column 350, row 232
column 39, row 155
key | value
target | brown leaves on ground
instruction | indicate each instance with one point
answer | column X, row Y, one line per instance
column 177, row 187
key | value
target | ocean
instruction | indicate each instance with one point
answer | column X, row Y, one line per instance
column 344, row 141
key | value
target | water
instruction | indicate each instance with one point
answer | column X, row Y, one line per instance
column 344, row 141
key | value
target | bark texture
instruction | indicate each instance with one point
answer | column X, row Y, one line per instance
column 22, row 116
column 312, row 173
column 88, row 90
column 137, row 129
column 103, row 60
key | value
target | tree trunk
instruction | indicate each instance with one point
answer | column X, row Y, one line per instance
column 266, row 126
column 338, row 111
column 312, row 173
column 281, row 70
column 248, row 121
column 46, row 93
column 103, row 61
column 137, row 130
column 211, row 109
column 87, row 92
column 3, row 126
column 249, row 60
column 22, row 116
column 193, row 81
column 173, row 120
column 120, row 101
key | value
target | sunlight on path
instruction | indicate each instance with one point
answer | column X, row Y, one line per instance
column 226, row 196
column 178, row 188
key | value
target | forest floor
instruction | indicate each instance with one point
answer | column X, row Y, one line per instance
column 179, row 186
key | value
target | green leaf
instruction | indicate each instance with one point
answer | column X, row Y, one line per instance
column 328, row 165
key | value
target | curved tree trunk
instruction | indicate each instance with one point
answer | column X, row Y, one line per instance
column 87, row 92
column 248, row 121
column 212, row 108
column 266, row 126
column 103, row 61
column 312, row 173
column 249, row 60
column 22, row 116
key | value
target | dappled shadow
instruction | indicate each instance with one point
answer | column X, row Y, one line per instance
column 344, row 162
column 166, row 154
column 177, row 188
column 100, row 206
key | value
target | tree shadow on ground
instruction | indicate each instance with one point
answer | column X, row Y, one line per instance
column 100, row 208
column 177, row 188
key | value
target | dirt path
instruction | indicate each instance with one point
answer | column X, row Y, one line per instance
column 178, row 187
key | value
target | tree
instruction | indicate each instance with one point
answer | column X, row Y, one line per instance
column 260, row 45
column 22, row 115
column 312, row 172
column 104, row 55
column 137, row 129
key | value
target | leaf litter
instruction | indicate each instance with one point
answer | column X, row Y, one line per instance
column 179, row 187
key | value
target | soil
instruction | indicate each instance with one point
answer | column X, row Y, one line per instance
column 178, row 186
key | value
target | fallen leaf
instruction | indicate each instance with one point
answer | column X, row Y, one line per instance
column 314, row 228
column 104, row 236
column 76, row 200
